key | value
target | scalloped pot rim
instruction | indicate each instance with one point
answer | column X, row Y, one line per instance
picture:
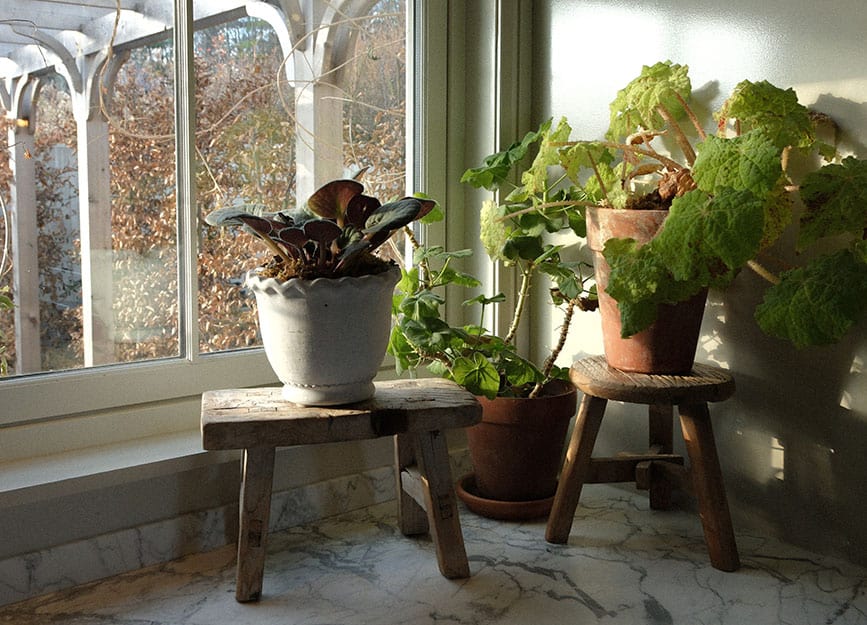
column 301, row 288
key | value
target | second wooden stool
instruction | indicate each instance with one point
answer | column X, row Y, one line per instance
column 415, row 412
column 659, row 469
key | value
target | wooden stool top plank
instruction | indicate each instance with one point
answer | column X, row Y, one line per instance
column 705, row 383
column 236, row 419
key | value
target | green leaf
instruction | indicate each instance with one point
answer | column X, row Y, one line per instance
column 450, row 276
column 835, row 198
column 438, row 253
column 568, row 283
column 518, row 371
column 484, row 301
column 578, row 222
column 431, row 334
column 662, row 84
column 423, row 305
column 775, row 111
column 497, row 166
column 818, row 303
column 523, row 247
column 535, row 179
column 636, row 316
column 405, row 355
column 436, row 214
column 750, row 161
column 583, row 155
column 635, row 273
column 533, row 224
column 640, row 280
column 705, row 237
column 409, row 280
column 477, row 375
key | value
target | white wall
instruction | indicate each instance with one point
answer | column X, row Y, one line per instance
column 792, row 439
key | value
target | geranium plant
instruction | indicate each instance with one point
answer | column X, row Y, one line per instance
column 515, row 232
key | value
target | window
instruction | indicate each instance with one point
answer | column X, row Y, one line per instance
column 124, row 301
column 267, row 95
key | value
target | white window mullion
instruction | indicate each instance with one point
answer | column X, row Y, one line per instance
column 185, row 124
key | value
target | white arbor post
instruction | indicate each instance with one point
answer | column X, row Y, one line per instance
column 94, row 201
column 25, row 253
column 82, row 74
column 95, row 223
column 320, row 40
column 318, row 131
column 84, row 78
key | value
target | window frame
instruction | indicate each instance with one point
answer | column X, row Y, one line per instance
column 124, row 401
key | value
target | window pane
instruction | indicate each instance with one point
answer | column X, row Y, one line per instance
column 90, row 222
column 90, row 225
column 276, row 122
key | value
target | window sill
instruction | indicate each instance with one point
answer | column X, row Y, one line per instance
column 45, row 477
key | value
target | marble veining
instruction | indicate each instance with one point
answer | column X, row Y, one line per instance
column 623, row 564
column 64, row 566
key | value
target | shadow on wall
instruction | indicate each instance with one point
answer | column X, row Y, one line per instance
column 855, row 115
column 792, row 438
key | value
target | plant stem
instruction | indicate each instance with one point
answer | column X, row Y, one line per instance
column 275, row 248
column 599, row 178
column 519, row 307
column 561, row 341
column 679, row 137
column 423, row 266
column 763, row 272
column 544, row 205
column 702, row 135
column 668, row 162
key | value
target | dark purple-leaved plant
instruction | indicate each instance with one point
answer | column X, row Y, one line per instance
column 333, row 236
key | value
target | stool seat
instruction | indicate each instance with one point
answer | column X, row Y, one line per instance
column 414, row 412
column 658, row 469
column 704, row 383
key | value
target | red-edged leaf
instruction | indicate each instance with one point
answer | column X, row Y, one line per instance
column 331, row 199
column 359, row 209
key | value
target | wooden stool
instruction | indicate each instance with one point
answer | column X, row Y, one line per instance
column 415, row 412
column 658, row 469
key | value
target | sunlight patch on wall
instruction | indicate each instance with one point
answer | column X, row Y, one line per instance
column 778, row 458
column 621, row 36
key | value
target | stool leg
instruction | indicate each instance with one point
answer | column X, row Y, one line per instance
column 708, row 484
column 432, row 456
column 257, row 472
column 660, row 438
column 411, row 517
column 575, row 469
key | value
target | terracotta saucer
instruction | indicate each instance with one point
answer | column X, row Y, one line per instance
column 502, row 510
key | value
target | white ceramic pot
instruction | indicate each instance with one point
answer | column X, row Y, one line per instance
column 325, row 338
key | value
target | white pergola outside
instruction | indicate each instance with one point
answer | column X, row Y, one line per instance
column 38, row 37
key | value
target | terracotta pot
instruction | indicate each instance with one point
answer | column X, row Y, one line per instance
column 517, row 448
column 669, row 345
column 325, row 338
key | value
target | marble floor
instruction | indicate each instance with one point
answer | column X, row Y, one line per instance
column 624, row 564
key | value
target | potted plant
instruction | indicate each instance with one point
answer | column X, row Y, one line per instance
column 714, row 199
column 516, row 450
column 324, row 298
